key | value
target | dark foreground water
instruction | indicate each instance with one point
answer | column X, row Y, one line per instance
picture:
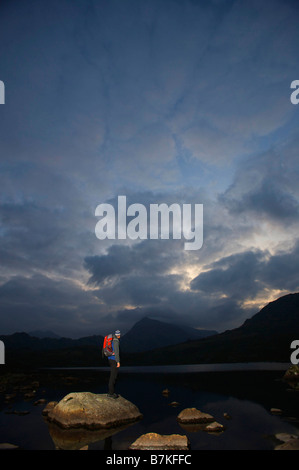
column 247, row 395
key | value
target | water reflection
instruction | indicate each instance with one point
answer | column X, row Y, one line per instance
column 78, row 438
column 189, row 368
column 190, row 428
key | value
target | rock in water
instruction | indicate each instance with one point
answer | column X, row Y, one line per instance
column 193, row 415
column 93, row 411
column 292, row 444
column 154, row 441
column 49, row 407
column 214, row 427
column 7, row 446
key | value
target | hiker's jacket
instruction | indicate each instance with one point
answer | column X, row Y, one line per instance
column 115, row 347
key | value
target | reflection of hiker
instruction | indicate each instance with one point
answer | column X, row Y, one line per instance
column 111, row 350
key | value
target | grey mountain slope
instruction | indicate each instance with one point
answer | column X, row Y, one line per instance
column 149, row 334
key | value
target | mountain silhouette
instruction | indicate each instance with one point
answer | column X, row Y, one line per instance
column 149, row 334
column 266, row 336
column 43, row 334
column 22, row 348
column 27, row 342
column 279, row 316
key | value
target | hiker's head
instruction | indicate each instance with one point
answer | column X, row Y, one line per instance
column 117, row 333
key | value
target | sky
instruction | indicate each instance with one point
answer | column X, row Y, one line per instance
column 173, row 101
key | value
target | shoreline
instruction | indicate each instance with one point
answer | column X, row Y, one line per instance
column 186, row 368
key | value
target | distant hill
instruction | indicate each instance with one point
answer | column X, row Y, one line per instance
column 43, row 334
column 26, row 341
column 149, row 334
column 22, row 348
column 279, row 316
column 265, row 337
column 25, row 351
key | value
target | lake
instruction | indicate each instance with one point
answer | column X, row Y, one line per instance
column 246, row 392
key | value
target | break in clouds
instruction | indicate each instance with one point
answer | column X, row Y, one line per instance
column 176, row 102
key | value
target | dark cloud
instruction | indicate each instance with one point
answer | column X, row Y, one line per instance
column 245, row 275
column 60, row 305
column 136, row 275
column 265, row 186
column 217, row 294
column 235, row 276
column 267, row 200
column 37, row 236
column 149, row 257
column 215, row 299
column 281, row 271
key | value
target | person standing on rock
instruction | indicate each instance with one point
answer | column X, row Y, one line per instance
column 114, row 362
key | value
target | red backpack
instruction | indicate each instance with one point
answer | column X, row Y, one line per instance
column 107, row 346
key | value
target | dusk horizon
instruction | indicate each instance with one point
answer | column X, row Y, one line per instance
column 102, row 329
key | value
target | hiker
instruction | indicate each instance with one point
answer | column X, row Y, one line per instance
column 111, row 350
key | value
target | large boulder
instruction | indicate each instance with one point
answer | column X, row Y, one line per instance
column 92, row 411
column 154, row 441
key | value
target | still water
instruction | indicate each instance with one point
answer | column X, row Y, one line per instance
column 188, row 368
column 245, row 392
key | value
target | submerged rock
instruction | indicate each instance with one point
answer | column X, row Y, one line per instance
column 41, row 401
column 92, row 411
column 8, row 446
column 154, row 441
column 276, row 411
column 16, row 412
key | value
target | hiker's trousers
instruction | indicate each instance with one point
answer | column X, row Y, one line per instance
column 113, row 375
